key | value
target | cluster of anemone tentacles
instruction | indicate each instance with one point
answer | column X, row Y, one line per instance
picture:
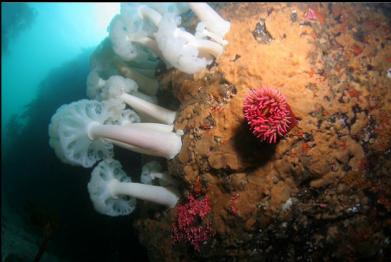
column 268, row 114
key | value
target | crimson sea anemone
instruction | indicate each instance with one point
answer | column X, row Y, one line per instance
column 268, row 114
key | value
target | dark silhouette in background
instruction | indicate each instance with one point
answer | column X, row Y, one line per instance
column 15, row 17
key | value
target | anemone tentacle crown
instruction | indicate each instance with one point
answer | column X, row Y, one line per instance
column 268, row 114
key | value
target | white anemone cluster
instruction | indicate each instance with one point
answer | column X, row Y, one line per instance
column 156, row 27
column 124, row 111
column 84, row 132
column 113, row 193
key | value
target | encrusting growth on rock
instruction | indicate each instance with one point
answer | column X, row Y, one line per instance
column 189, row 226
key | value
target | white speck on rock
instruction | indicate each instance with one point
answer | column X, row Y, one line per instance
column 287, row 204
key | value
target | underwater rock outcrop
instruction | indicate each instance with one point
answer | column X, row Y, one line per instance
column 321, row 192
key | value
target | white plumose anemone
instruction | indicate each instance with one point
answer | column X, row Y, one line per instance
column 152, row 171
column 80, row 136
column 181, row 49
column 113, row 193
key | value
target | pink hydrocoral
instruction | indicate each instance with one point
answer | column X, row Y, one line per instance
column 188, row 227
column 310, row 14
column 268, row 114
